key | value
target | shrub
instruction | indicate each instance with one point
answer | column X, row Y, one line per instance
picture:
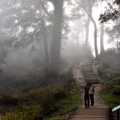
column 8, row 100
column 111, row 91
column 27, row 113
column 59, row 93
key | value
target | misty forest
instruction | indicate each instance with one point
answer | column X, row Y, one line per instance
column 42, row 41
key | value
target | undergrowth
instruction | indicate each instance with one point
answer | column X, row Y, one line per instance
column 70, row 103
column 111, row 92
column 108, row 70
column 45, row 103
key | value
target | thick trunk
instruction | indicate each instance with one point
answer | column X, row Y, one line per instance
column 56, row 37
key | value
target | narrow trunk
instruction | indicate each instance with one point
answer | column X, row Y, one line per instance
column 101, row 39
column 102, row 34
column 118, row 43
column 89, row 13
column 87, row 32
column 56, row 37
column 44, row 33
column 95, row 40
column 95, row 37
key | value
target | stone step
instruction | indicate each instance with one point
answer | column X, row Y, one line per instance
column 87, row 71
column 89, row 63
column 92, row 113
column 91, row 80
column 88, row 66
column 89, row 75
column 89, row 118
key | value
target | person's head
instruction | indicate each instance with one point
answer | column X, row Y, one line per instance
column 87, row 84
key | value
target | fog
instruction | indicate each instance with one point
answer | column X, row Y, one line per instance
column 37, row 38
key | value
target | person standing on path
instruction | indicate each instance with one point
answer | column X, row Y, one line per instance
column 92, row 91
column 86, row 95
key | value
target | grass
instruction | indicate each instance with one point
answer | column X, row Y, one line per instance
column 111, row 92
column 110, row 100
column 48, row 103
column 70, row 103
column 95, row 66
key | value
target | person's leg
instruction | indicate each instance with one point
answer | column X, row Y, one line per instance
column 88, row 102
column 91, row 98
column 85, row 100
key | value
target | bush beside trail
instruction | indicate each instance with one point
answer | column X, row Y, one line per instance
column 108, row 70
column 51, row 102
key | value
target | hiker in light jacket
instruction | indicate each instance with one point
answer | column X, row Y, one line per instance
column 92, row 91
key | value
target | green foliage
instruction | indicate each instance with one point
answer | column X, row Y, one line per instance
column 27, row 113
column 66, row 105
column 43, row 97
column 111, row 92
column 111, row 13
column 111, row 100
column 95, row 66
column 8, row 100
column 109, row 64
column 112, row 86
column 48, row 101
column 59, row 93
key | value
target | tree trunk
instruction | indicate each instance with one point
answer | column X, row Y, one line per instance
column 95, row 39
column 89, row 13
column 87, row 32
column 56, row 36
column 102, row 33
column 45, row 43
column 101, row 39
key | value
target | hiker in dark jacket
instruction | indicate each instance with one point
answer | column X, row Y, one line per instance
column 86, row 95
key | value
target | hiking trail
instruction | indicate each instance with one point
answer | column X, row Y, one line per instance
column 100, row 111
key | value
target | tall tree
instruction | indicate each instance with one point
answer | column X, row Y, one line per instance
column 112, row 13
column 114, row 35
column 102, row 34
column 26, row 20
column 56, row 36
column 87, row 31
column 102, row 39
column 89, row 13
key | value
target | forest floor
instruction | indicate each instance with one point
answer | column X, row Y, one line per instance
column 100, row 111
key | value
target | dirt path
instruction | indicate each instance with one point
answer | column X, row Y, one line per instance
column 100, row 111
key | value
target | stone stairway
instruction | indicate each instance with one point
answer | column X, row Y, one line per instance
column 100, row 111
column 88, row 73
column 93, row 113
